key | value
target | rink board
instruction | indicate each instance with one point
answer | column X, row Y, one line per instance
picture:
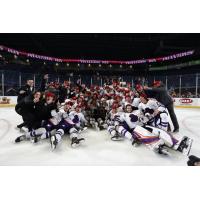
column 10, row 101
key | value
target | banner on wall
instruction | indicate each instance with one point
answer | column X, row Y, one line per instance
column 131, row 62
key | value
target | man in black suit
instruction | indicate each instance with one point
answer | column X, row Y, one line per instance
column 26, row 90
column 159, row 92
column 23, row 92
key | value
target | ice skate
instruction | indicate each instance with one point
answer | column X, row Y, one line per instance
column 19, row 126
column 185, row 145
column 117, row 137
column 76, row 141
column 20, row 138
column 101, row 127
column 53, row 141
column 186, row 150
column 162, row 150
column 136, row 142
column 35, row 139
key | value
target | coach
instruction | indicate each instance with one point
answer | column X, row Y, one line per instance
column 159, row 92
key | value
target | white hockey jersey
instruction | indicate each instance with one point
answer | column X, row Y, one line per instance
column 131, row 119
column 151, row 105
column 77, row 118
column 156, row 119
column 111, row 117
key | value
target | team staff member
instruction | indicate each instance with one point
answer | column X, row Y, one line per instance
column 26, row 90
column 159, row 92
column 23, row 92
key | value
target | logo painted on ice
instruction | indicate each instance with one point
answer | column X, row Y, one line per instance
column 186, row 101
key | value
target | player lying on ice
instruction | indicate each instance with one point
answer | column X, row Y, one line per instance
column 129, row 124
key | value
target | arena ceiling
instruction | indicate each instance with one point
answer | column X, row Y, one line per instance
column 102, row 46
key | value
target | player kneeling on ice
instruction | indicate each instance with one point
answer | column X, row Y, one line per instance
column 66, row 126
column 110, row 120
column 153, row 112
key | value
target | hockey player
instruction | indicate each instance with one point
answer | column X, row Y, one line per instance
column 47, row 127
column 154, row 112
column 109, row 102
column 127, row 100
column 157, row 140
column 102, row 111
column 126, row 123
column 93, row 105
column 110, row 120
column 129, row 126
column 78, row 118
column 67, row 125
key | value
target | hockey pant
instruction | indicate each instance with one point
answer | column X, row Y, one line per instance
column 160, row 121
column 37, row 132
column 111, row 130
column 125, row 132
column 66, row 127
column 44, row 131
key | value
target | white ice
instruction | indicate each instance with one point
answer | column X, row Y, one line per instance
column 98, row 149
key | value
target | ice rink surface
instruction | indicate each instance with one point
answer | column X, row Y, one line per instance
column 98, row 149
